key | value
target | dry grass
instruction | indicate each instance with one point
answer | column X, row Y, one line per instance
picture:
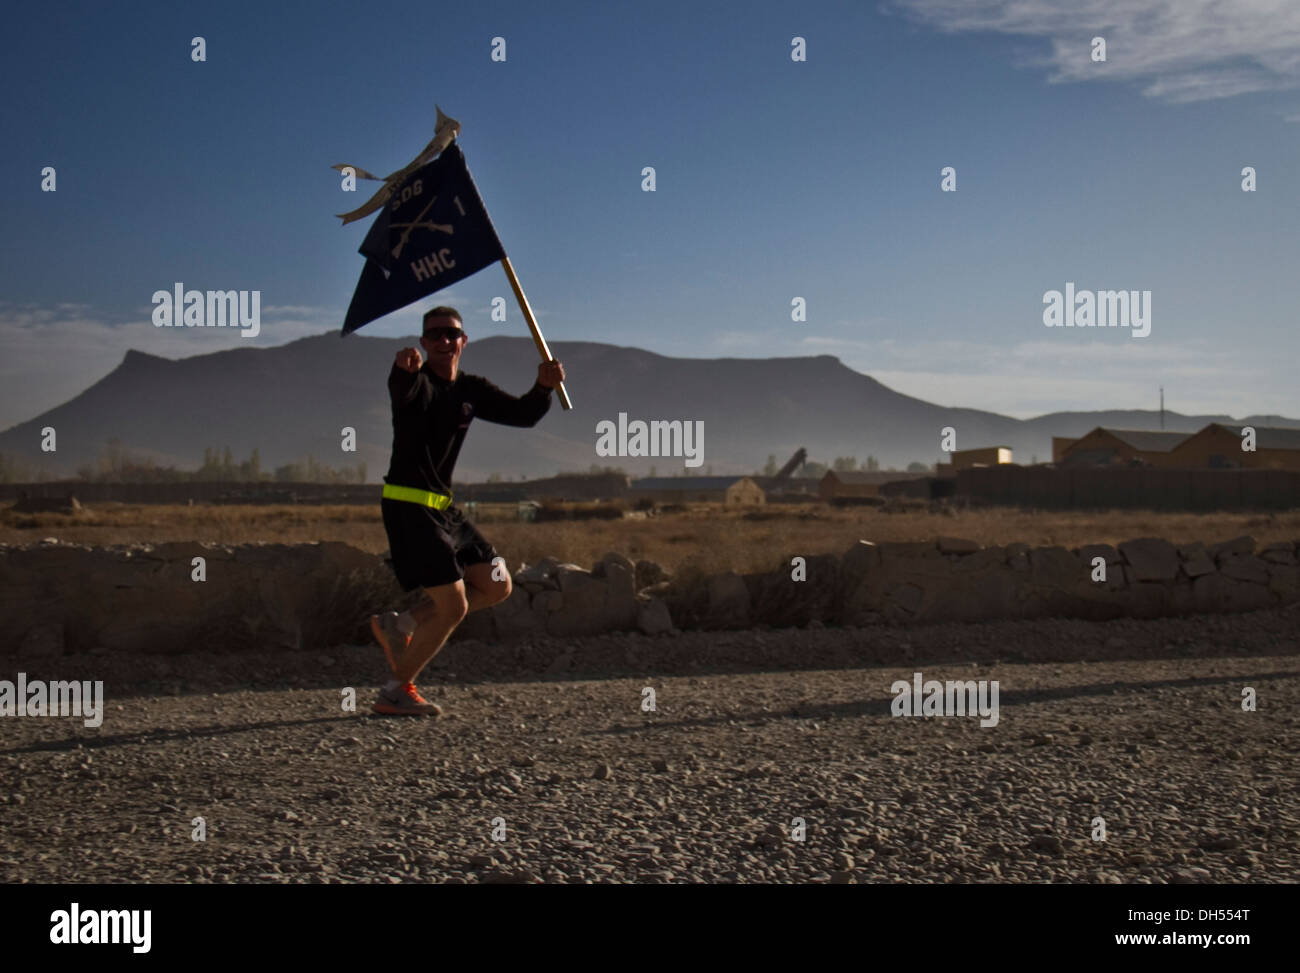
column 707, row 537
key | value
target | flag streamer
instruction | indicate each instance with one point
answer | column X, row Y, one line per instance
column 444, row 133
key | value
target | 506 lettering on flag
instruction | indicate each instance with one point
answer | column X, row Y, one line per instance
column 433, row 230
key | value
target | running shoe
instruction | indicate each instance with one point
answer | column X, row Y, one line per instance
column 405, row 701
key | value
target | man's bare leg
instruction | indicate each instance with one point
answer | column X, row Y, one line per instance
column 482, row 586
column 437, row 615
column 436, row 619
column 422, row 612
column 482, row 590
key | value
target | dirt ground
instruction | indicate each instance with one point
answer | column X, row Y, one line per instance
column 546, row 746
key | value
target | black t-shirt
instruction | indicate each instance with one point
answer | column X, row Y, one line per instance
column 431, row 416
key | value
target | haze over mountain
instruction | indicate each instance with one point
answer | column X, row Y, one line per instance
column 293, row 400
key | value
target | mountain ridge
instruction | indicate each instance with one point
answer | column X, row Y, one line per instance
column 294, row 399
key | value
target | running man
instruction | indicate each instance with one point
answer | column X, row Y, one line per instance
column 433, row 546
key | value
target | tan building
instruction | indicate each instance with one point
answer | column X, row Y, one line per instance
column 1219, row 447
column 1120, row 447
column 1059, row 445
column 838, row 485
column 744, row 492
column 964, row 459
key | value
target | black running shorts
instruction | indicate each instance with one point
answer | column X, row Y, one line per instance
column 431, row 547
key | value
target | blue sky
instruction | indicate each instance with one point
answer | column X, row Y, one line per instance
column 775, row 179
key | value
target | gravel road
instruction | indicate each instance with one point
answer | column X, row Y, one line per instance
column 548, row 745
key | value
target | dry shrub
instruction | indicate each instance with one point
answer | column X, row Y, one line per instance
column 552, row 511
column 346, row 602
column 724, row 539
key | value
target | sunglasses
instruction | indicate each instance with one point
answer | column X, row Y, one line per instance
column 451, row 334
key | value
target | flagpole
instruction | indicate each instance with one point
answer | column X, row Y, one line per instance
column 532, row 326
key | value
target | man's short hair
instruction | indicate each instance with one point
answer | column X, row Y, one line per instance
column 442, row 312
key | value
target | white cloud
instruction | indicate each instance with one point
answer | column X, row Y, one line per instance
column 1179, row 50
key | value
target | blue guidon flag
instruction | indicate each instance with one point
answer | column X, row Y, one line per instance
column 433, row 231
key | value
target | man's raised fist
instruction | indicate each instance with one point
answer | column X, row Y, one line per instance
column 409, row 360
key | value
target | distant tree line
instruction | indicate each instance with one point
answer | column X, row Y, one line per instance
column 116, row 464
column 15, row 469
column 592, row 470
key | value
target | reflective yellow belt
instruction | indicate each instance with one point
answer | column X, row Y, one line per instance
column 426, row 498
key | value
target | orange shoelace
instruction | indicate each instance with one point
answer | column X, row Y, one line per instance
column 413, row 694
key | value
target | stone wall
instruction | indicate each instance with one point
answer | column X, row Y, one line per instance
column 956, row 580
column 57, row 598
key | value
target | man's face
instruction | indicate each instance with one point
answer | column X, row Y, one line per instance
column 441, row 346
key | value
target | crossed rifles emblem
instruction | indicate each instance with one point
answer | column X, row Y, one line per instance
column 406, row 228
column 446, row 131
